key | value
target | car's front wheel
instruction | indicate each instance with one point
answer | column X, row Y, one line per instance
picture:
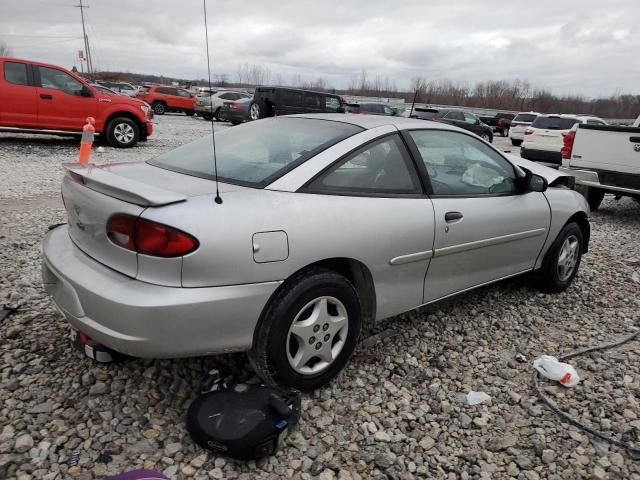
column 308, row 331
column 561, row 263
column 122, row 132
column 516, row 143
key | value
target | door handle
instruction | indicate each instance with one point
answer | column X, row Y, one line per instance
column 452, row 216
column 46, row 96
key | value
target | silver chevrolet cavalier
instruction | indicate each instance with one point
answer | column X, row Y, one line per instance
column 323, row 223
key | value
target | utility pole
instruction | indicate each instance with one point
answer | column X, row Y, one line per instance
column 87, row 50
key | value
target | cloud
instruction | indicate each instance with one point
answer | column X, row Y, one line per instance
column 587, row 47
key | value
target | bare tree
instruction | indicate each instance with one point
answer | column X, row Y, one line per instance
column 5, row 50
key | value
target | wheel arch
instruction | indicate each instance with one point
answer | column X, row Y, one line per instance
column 125, row 114
column 581, row 219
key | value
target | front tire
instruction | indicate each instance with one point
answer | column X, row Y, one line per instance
column 561, row 263
column 516, row 143
column 189, row 113
column 594, row 196
column 308, row 331
column 122, row 132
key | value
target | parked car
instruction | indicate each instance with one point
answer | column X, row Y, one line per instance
column 518, row 125
column 122, row 88
column 371, row 109
column 326, row 222
column 458, row 118
column 604, row 159
column 272, row 101
column 500, row 122
column 210, row 106
column 103, row 89
column 168, row 99
column 543, row 139
column 236, row 112
column 42, row 98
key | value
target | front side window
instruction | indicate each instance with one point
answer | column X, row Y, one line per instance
column 256, row 153
column 59, row 80
column 332, row 104
column 381, row 167
column 469, row 118
column 16, row 73
column 460, row 165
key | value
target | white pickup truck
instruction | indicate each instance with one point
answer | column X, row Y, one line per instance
column 603, row 159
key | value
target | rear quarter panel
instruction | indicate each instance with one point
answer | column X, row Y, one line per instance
column 606, row 148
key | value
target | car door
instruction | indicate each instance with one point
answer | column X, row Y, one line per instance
column 473, row 123
column 61, row 101
column 374, row 200
column 486, row 228
column 456, row 118
column 185, row 99
column 18, row 96
column 332, row 104
column 312, row 103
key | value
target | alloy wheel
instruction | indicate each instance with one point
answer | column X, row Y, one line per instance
column 124, row 133
column 317, row 335
column 255, row 111
column 568, row 257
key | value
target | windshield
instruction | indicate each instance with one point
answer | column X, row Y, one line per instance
column 256, row 153
column 525, row 117
column 554, row 123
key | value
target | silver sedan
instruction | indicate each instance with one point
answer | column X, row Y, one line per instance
column 323, row 223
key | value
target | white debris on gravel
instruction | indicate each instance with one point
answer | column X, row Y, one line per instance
column 393, row 413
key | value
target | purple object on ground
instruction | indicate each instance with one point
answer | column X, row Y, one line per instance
column 139, row 475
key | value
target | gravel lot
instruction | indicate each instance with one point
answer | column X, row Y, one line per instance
column 397, row 411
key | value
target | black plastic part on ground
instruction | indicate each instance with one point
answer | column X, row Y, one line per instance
column 632, row 449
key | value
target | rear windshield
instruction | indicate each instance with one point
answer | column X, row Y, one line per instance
column 554, row 123
column 525, row 117
column 256, row 153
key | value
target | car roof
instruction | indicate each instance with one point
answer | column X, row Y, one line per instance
column 373, row 121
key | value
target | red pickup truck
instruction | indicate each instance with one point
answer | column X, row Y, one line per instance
column 40, row 98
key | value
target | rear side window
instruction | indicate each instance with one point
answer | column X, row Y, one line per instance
column 256, row 153
column 165, row 91
column 16, row 73
column 525, row 117
column 288, row 97
column 454, row 116
column 381, row 167
column 554, row 123
column 59, row 80
column 184, row 93
column 312, row 100
column 595, row 122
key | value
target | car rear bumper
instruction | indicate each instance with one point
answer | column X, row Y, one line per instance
column 615, row 182
column 541, row 155
column 145, row 320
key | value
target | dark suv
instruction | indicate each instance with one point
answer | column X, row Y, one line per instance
column 459, row 118
column 371, row 109
column 271, row 101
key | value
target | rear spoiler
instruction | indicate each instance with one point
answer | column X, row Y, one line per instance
column 97, row 178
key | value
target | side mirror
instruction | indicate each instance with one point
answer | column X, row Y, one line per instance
column 534, row 183
column 86, row 92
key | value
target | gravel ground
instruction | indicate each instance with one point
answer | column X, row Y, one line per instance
column 396, row 412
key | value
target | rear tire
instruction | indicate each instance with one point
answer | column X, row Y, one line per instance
column 189, row 113
column 122, row 132
column 220, row 117
column 516, row 143
column 562, row 260
column 487, row 137
column 235, row 122
column 255, row 112
column 315, row 313
column 159, row 108
column 594, row 196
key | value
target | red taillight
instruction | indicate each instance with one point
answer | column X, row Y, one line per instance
column 528, row 131
column 500, row 122
column 234, row 106
column 567, row 144
column 149, row 238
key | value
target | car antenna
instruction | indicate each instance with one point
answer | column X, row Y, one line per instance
column 415, row 95
column 218, row 198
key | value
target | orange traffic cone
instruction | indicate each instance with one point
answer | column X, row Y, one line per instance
column 88, row 132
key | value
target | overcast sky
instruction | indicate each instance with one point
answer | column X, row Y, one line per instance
column 591, row 47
